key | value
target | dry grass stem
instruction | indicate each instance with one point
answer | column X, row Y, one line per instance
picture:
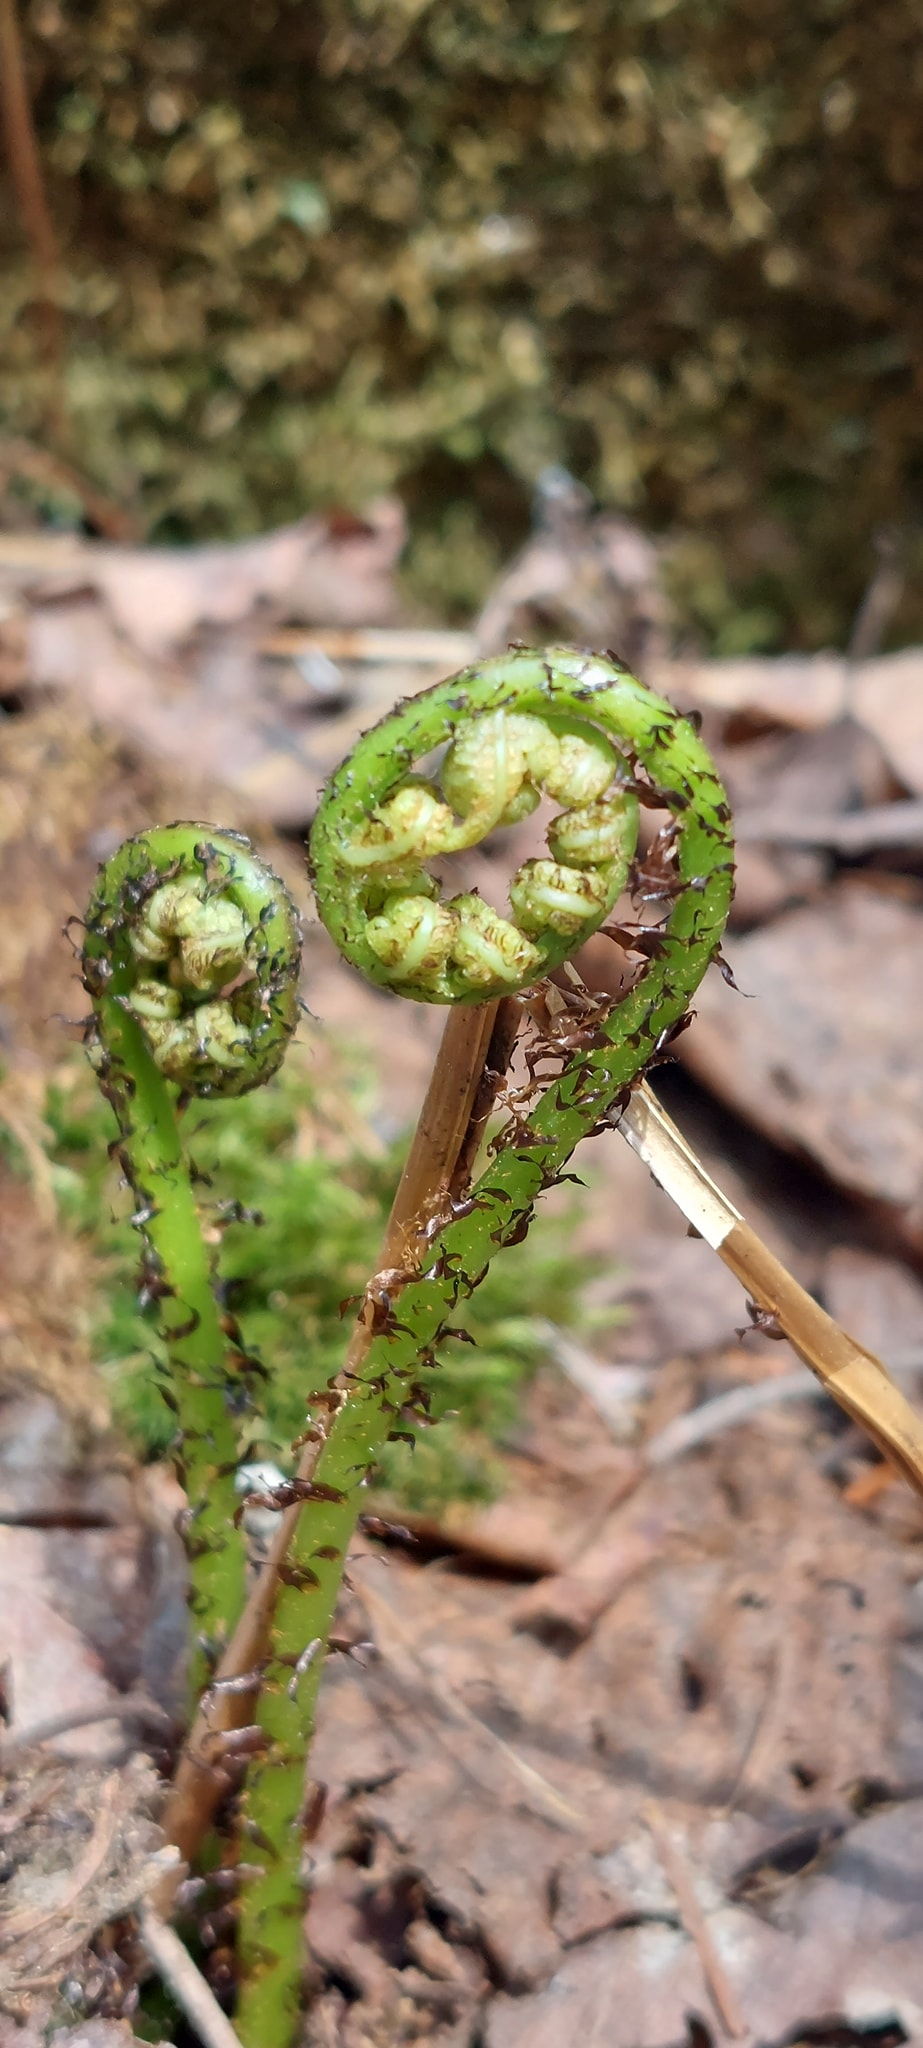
column 851, row 1375
column 693, row 1918
column 175, row 1966
column 443, row 649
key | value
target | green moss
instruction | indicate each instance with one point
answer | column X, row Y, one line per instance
column 671, row 245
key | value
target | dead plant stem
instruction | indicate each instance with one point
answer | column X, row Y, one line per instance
column 851, row 1375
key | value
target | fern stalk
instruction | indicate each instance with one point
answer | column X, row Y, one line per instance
column 191, row 956
column 581, row 729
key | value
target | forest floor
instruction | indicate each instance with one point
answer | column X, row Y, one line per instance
column 632, row 1756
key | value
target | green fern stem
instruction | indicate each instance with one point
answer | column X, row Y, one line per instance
column 191, row 958
column 603, row 739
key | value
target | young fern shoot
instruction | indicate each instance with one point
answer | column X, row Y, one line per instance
column 191, row 958
column 580, row 729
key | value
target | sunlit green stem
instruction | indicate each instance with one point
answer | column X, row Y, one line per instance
column 645, row 740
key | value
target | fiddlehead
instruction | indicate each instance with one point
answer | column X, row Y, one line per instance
column 191, row 959
column 580, row 729
column 193, row 936
column 509, row 744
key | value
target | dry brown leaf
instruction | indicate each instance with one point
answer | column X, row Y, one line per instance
column 162, row 647
column 825, row 1055
column 887, row 696
column 239, row 739
column 838, row 768
column 746, row 1679
column 803, row 691
column 158, row 598
column 46, row 1655
column 843, row 1947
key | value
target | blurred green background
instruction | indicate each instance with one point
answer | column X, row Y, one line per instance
column 313, row 253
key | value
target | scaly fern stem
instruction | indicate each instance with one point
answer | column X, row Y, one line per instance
column 199, row 1384
column 190, row 956
column 369, row 875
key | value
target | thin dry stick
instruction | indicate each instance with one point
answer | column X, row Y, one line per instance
column 194, row 1997
column 853, row 1376
column 373, row 644
column 681, row 1879
column 456, row 1098
column 133, row 1706
column 725, row 1411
